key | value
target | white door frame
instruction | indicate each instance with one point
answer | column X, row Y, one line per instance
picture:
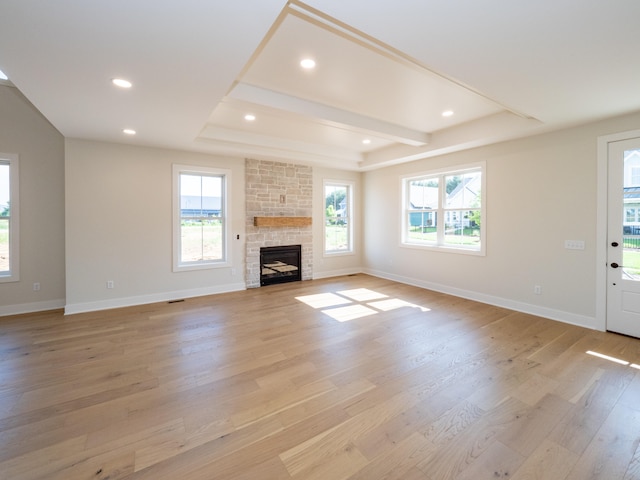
column 601, row 223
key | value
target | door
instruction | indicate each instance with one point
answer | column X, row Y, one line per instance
column 623, row 238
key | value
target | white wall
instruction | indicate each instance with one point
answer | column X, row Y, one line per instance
column 541, row 191
column 118, row 209
column 333, row 265
column 40, row 147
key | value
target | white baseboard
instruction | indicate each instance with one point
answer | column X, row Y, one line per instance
column 559, row 315
column 71, row 309
column 31, row 307
column 336, row 273
column 553, row 314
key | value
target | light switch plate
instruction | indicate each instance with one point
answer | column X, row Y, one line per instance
column 574, row 244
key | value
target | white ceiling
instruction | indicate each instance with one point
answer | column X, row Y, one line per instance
column 385, row 72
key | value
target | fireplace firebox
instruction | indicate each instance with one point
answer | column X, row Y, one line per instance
column 280, row 264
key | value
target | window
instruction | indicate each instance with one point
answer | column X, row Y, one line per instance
column 338, row 220
column 444, row 210
column 9, row 231
column 201, row 210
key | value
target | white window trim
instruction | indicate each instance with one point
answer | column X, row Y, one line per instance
column 226, row 215
column 433, row 173
column 351, row 186
column 14, row 221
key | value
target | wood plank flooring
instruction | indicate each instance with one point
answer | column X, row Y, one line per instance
column 347, row 378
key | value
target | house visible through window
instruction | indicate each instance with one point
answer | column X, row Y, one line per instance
column 200, row 214
column 635, row 175
column 9, row 208
column 444, row 210
column 338, row 221
column 631, row 225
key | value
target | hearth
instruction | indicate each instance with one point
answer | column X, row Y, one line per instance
column 280, row 264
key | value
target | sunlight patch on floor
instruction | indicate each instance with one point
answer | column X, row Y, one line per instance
column 333, row 303
column 613, row 359
column 607, row 357
column 323, row 300
column 362, row 294
column 394, row 303
column 344, row 314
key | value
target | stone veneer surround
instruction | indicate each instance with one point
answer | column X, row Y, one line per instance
column 277, row 189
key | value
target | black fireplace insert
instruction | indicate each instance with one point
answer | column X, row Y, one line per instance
column 280, row 264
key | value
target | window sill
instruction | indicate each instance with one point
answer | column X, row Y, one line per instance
column 199, row 266
column 338, row 253
column 444, row 249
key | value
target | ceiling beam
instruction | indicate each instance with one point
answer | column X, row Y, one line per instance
column 492, row 129
column 251, row 144
column 328, row 115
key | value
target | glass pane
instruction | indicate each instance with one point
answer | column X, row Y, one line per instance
column 4, row 245
column 631, row 225
column 336, row 229
column 200, row 196
column 463, row 191
column 201, row 240
column 422, row 227
column 462, row 228
column 336, row 200
column 5, row 190
column 211, row 196
column 191, row 195
column 423, row 194
column 336, row 235
column 5, row 196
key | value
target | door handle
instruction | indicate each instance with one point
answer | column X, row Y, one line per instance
column 615, row 265
column 614, row 244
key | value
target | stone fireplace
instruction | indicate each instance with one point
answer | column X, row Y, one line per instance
column 275, row 189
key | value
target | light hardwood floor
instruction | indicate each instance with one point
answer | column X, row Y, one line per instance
column 347, row 378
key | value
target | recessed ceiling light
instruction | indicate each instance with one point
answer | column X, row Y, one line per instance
column 249, row 117
column 366, row 141
column 447, row 113
column 3, row 76
column 129, row 131
column 308, row 63
column 121, row 82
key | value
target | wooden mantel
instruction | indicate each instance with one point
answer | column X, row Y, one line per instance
column 281, row 221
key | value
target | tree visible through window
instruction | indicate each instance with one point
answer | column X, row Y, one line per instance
column 444, row 209
column 338, row 217
column 201, row 217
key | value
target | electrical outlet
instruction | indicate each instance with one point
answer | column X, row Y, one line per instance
column 537, row 289
column 110, row 284
column 36, row 287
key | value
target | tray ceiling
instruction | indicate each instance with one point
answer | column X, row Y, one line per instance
column 385, row 73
